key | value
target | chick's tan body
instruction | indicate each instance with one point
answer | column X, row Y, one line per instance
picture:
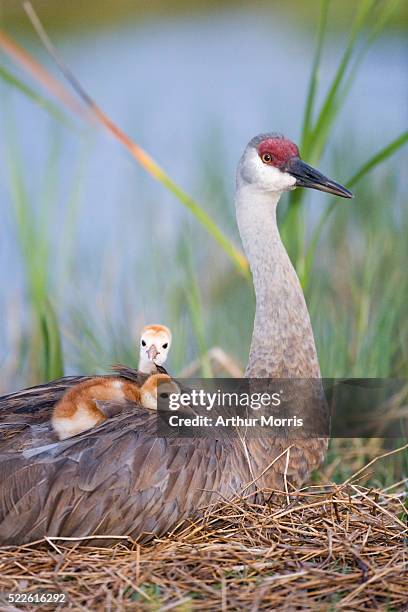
column 78, row 408
column 78, row 411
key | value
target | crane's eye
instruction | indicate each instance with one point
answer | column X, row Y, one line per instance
column 165, row 345
column 266, row 158
column 143, row 343
column 164, row 395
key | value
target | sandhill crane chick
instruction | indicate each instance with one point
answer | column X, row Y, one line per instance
column 155, row 344
column 155, row 392
column 78, row 411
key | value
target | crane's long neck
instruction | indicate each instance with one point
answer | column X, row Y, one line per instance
column 282, row 340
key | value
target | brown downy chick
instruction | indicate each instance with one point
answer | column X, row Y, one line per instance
column 155, row 392
column 155, row 344
column 77, row 410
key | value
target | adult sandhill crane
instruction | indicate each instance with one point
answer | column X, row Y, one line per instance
column 121, row 478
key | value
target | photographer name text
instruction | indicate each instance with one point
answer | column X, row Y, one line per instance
column 234, row 421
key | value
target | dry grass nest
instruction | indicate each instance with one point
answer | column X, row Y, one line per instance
column 333, row 547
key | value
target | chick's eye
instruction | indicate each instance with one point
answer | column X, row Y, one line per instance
column 165, row 345
column 267, row 158
column 143, row 343
column 164, row 395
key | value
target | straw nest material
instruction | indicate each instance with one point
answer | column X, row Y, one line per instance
column 334, row 547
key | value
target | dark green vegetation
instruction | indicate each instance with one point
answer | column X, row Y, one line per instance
column 97, row 13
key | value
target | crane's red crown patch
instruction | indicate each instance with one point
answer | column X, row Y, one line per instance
column 280, row 149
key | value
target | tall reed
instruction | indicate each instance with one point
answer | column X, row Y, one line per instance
column 369, row 22
column 32, row 224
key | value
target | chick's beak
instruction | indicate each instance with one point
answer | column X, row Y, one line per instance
column 152, row 352
column 306, row 176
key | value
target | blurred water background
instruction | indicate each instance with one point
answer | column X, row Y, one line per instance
column 192, row 86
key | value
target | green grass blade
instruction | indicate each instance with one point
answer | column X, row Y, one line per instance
column 44, row 344
column 390, row 6
column 378, row 158
column 314, row 139
column 336, row 95
column 208, row 223
column 32, row 95
column 23, row 58
column 314, row 77
column 314, row 241
column 292, row 225
column 318, row 136
column 51, row 337
column 378, row 27
column 374, row 161
column 193, row 300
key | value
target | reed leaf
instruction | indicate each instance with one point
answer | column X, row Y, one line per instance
column 23, row 88
column 92, row 111
column 45, row 337
column 194, row 303
column 382, row 155
column 376, row 29
column 314, row 145
column 314, row 137
column 53, row 364
column 292, row 227
column 378, row 158
column 314, row 77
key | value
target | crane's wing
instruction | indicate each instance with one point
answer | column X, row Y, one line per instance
column 34, row 405
column 117, row 479
column 134, row 375
column 121, row 478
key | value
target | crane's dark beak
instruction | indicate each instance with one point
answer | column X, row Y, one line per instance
column 306, row 176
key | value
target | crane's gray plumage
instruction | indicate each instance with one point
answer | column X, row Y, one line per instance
column 120, row 478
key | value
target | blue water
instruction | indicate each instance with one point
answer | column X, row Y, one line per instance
column 176, row 86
